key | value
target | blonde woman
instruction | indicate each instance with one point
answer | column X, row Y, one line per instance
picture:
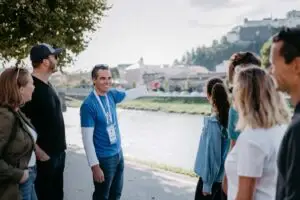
column 251, row 164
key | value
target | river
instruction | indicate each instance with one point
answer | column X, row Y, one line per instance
column 164, row 138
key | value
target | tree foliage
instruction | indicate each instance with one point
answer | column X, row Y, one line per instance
column 265, row 53
column 61, row 23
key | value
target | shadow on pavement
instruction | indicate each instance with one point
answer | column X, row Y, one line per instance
column 141, row 182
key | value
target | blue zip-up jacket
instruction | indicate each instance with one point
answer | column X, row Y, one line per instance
column 212, row 152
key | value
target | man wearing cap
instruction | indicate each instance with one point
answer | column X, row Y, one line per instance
column 44, row 111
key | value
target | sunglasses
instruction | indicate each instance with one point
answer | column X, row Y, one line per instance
column 18, row 71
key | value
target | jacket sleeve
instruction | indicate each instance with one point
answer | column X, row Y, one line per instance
column 232, row 120
column 212, row 155
column 8, row 173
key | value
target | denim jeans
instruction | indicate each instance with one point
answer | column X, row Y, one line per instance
column 27, row 189
column 49, row 182
column 111, row 188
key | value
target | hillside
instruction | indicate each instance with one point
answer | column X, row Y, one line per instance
column 222, row 50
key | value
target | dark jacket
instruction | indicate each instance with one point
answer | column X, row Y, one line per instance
column 16, row 146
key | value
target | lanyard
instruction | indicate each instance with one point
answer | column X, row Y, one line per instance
column 108, row 114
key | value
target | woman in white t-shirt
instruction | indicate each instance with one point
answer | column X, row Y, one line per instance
column 251, row 164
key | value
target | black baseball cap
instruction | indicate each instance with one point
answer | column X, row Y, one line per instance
column 42, row 51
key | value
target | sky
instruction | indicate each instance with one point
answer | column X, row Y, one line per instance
column 162, row 30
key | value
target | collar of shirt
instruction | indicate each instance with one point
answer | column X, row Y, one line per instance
column 297, row 108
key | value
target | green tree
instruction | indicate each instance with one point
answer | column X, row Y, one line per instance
column 224, row 40
column 61, row 23
column 215, row 43
column 265, row 53
column 176, row 62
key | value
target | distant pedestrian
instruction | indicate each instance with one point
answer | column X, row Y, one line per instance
column 214, row 144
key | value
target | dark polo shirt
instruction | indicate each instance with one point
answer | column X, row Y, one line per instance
column 288, row 182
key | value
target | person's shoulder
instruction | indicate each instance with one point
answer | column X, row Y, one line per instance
column 251, row 138
column 88, row 101
column 6, row 113
column 251, row 134
column 260, row 136
column 211, row 119
column 282, row 128
column 233, row 111
column 37, row 82
column 295, row 123
column 293, row 128
column 211, row 123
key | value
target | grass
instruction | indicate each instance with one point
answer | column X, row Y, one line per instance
column 71, row 102
column 164, row 167
column 175, row 106
column 169, row 105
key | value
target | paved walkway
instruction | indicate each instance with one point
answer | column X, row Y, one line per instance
column 141, row 182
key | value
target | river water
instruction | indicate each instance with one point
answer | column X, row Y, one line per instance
column 163, row 138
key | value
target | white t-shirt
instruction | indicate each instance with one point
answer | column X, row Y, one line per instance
column 32, row 160
column 255, row 155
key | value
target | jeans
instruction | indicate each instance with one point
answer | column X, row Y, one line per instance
column 49, row 181
column 27, row 189
column 111, row 188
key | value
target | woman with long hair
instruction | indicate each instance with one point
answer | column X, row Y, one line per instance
column 17, row 137
column 214, row 143
column 263, row 114
column 238, row 61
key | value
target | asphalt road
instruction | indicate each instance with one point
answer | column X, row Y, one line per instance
column 141, row 182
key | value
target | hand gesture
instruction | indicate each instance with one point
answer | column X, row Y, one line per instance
column 25, row 176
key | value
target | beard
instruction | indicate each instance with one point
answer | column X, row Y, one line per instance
column 53, row 67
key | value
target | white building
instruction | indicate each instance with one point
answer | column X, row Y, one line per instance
column 292, row 19
column 222, row 67
column 134, row 73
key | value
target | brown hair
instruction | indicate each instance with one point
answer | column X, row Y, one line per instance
column 11, row 80
column 258, row 103
column 242, row 59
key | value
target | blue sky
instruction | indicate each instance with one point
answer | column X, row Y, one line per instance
column 162, row 30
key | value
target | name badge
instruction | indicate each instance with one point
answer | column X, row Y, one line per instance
column 112, row 134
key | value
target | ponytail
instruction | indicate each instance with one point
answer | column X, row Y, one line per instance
column 220, row 101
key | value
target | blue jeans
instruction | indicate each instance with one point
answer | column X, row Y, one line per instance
column 27, row 189
column 111, row 188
